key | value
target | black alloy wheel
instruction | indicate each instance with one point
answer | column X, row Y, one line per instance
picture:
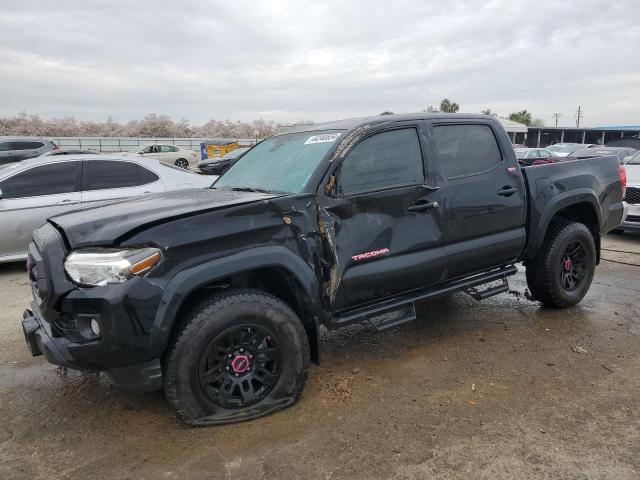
column 240, row 366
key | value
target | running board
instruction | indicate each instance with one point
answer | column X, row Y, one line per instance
column 489, row 292
column 392, row 318
column 394, row 311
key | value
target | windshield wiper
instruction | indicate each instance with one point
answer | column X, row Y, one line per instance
column 250, row 189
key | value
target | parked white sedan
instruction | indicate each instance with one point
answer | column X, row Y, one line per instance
column 33, row 190
column 180, row 157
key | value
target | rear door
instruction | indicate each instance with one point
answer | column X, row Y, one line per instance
column 382, row 222
column 108, row 180
column 483, row 198
column 31, row 196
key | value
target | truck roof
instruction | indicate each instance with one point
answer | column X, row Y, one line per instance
column 351, row 123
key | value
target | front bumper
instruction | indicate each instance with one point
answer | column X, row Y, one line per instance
column 144, row 377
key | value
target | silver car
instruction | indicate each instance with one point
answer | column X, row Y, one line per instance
column 33, row 190
column 17, row 149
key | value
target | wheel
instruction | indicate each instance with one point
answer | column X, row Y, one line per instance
column 182, row 163
column 561, row 273
column 241, row 355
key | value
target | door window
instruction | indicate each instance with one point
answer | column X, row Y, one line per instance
column 167, row 149
column 50, row 179
column 384, row 160
column 466, row 149
column 103, row 174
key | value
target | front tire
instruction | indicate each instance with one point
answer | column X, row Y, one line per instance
column 561, row 273
column 242, row 355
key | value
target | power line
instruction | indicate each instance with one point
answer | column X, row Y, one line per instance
column 557, row 115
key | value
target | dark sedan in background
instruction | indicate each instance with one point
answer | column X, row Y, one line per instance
column 217, row 166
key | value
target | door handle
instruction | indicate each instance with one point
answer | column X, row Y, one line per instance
column 66, row 200
column 422, row 206
column 507, row 191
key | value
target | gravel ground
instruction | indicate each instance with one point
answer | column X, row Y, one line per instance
column 497, row 389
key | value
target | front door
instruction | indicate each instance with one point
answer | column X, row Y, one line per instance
column 30, row 197
column 381, row 220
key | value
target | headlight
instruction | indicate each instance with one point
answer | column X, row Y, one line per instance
column 103, row 266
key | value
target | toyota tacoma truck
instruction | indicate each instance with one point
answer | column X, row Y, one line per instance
column 217, row 295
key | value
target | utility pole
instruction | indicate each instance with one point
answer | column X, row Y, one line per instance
column 579, row 115
column 557, row 115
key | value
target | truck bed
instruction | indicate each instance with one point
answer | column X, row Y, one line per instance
column 553, row 186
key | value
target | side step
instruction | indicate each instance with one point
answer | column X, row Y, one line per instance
column 391, row 318
column 489, row 292
column 400, row 309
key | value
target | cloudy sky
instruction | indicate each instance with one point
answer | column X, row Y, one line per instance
column 319, row 60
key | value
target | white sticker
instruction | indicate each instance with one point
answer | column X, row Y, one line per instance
column 324, row 138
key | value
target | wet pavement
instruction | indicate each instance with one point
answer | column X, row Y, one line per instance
column 497, row 389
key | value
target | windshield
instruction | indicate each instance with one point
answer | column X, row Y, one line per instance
column 635, row 160
column 561, row 148
column 280, row 164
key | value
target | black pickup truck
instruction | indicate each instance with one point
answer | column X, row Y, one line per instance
column 217, row 295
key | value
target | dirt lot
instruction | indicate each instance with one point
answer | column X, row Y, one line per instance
column 498, row 389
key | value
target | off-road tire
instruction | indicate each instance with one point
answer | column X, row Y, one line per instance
column 207, row 322
column 544, row 270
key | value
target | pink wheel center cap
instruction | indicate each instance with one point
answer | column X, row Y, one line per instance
column 568, row 264
column 240, row 364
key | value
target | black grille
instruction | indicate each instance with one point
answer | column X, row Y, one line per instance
column 633, row 195
column 633, row 218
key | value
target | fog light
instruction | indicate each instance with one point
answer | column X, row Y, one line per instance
column 95, row 326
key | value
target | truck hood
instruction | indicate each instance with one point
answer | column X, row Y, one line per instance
column 105, row 225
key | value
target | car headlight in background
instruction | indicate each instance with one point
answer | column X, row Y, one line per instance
column 99, row 267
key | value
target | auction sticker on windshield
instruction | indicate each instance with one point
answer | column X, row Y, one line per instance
column 324, row 138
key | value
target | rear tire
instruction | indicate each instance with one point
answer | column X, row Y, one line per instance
column 182, row 163
column 561, row 273
column 241, row 355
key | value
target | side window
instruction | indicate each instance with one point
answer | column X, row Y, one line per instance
column 466, row 149
column 26, row 145
column 544, row 153
column 386, row 159
column 44, row 180
column 103, row 174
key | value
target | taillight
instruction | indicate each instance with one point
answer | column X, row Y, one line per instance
column 622, row 173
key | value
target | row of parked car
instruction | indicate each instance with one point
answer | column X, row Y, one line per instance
column 16, row 150
column 570, row 151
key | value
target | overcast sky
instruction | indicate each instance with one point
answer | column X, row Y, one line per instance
column 319, row 60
